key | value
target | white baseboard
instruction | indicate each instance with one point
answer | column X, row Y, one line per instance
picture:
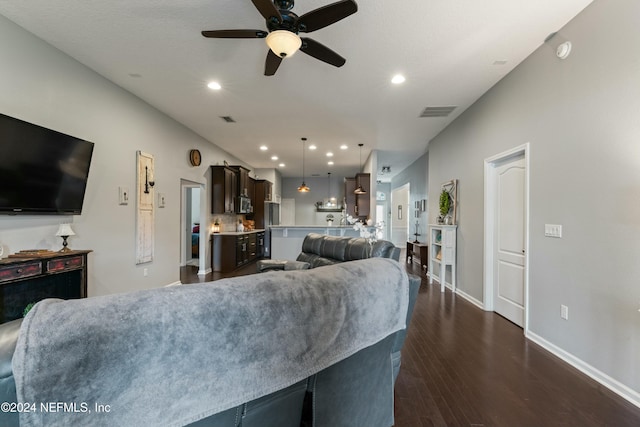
column 604, row 379
column 203, row 272
column 178, row 283
column 469, row 298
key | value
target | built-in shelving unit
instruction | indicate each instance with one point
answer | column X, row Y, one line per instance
column 442, row 252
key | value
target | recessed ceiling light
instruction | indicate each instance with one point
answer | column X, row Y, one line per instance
column 329, row 154
column 344, row 147
column 274, row 157
column 330, row 163
column 397, row 79
column 281, row 165
column 312, row 147
column 214, row 86
column 264, row 148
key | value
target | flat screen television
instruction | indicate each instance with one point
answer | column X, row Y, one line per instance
column 41, row 171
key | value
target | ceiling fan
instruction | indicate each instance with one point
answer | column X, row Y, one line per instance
column 283, row 27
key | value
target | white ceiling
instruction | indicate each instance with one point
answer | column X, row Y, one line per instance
column 446, row 49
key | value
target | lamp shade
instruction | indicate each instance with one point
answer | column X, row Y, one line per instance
column 304, row 188
column 283, row 43
column 65, row 230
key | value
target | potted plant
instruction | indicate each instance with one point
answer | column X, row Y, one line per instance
column 445, row 206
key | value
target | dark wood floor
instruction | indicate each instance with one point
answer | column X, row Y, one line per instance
column 462, row 366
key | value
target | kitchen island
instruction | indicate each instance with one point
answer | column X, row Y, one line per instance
column 286, row 240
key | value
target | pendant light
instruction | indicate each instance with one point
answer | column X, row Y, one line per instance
column 359, row 189
column 303, row 188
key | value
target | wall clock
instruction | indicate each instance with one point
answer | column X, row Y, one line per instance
column 195, row 158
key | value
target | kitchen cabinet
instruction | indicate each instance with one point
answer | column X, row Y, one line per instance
column 224, row 189
column 243, row 180
column 264, row 190
column 233, row 250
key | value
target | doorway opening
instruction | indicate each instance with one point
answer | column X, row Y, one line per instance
column 506, row 230
column 193, row 226
column 400, row 216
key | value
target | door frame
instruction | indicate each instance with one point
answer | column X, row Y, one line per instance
column 405, row 212
column 185, row 185
column 490, row 193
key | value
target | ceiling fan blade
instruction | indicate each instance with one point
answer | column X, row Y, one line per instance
column 267, row 9
column 272, row 63
column 326, row 15
column 321, row 52
column 236, row 34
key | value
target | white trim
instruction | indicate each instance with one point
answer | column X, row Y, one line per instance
column 178, row 283
column 489, row 203
column 469, row 298
column 597, row 375
column 205, row 271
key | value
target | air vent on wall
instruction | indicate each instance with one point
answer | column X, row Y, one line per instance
column 228, row 119
column 437, row 111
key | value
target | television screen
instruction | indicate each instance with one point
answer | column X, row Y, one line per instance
column 41, row 171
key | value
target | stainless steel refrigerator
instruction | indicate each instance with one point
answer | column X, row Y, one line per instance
column 271, row 217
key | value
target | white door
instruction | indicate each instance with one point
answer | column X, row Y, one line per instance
column 509, row 256
column 400, row 216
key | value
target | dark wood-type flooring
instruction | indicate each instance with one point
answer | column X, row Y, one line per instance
column 462, row 366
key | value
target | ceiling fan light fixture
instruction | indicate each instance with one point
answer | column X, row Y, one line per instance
column 283, row 43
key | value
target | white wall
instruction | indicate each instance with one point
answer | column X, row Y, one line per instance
column 41, row 85
column 581, row 117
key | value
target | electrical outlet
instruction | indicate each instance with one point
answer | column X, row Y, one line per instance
column 145, row 272
column 564, row 312
column 553, row 230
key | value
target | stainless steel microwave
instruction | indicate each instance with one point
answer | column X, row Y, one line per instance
column 244, row 205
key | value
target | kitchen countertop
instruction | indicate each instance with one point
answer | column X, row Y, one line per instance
column 312, row 226
column 237, row 233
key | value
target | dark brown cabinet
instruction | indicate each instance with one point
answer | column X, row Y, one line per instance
column 224, row 190
column 243, row 180
column 230, row 251
column 418, row 253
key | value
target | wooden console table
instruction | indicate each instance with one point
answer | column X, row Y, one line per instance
column 418, row 253
column 29, row 279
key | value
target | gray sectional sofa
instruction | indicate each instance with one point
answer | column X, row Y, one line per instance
column 317, row 348
column 319, row 250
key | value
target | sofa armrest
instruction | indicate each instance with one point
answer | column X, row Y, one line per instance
column 9, row 333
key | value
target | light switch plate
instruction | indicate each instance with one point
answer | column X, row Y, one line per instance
column 553, row 230
column 161, row 200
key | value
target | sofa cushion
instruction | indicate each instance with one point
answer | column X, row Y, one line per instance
column 312, row 243
column 333, row 247
column 358, row 248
